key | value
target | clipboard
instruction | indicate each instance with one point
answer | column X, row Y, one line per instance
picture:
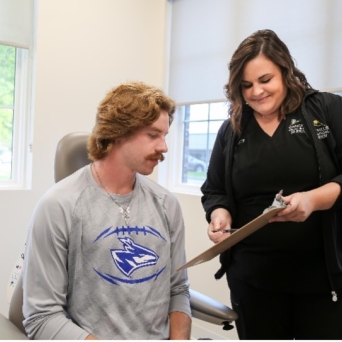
column 234, row 238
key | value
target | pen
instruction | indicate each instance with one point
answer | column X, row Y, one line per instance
column 225, row 230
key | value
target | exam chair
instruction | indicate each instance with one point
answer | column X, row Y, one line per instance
column 71, row 155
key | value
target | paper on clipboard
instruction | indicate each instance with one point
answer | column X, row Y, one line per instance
column 234, row 238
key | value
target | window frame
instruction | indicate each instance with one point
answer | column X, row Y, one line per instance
column 170, row 171
column 21, row 169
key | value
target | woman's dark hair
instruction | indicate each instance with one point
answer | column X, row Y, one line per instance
column 267, row 43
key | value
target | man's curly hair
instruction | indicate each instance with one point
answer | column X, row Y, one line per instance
column 125, row 110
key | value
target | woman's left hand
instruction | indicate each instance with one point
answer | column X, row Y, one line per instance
column 299, row 207
column 302, row 204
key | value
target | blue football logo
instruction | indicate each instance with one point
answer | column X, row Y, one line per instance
column 131, row 256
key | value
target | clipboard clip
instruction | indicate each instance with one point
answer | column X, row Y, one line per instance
column 277, row 202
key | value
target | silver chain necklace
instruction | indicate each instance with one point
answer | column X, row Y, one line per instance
column 123, row 211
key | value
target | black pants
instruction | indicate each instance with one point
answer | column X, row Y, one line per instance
column 266, row 315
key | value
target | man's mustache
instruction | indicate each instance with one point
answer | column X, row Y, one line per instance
column 155, row 156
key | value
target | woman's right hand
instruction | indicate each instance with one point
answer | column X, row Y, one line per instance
column 220, row 220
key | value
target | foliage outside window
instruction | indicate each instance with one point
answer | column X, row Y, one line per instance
column 15, row 124
column 7, row 91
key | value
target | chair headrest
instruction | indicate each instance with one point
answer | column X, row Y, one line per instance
column 71, row 154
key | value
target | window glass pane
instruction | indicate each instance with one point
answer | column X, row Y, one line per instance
column 201, row 123
column 199, row 112
column 198, row 143
column 194, row 170
column 7, row 74
column 6, row 119
column 198, row 127
column 194, row 152
column 213, row 129
column 7, row 84
column 214, row 126
column 218, row 110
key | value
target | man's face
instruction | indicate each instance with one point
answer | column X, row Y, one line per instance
column 142, row 151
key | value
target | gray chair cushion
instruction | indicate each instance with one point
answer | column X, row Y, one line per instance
column 8, row 331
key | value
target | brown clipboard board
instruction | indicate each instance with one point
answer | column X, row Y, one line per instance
column 233, row 239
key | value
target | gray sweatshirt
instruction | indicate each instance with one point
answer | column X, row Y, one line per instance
column 86, row 272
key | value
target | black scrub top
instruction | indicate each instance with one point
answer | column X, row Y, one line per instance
column 285, row 256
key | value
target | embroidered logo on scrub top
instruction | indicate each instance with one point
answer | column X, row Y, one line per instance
column 131, row 256
column 296, row 127
column 322, row 129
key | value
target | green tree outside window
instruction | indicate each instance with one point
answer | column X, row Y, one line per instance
column 7, row 86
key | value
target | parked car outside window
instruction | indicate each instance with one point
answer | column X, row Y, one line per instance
column 196, row 165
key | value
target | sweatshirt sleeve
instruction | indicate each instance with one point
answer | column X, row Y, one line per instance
column 180, row 298
column 45, row 279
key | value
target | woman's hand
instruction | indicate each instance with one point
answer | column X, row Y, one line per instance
column 300, row 205
column 220, row 219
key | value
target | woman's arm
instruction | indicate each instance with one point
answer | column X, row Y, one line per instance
column 302, row 204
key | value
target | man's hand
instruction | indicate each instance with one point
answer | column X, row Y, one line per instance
column 90, row 337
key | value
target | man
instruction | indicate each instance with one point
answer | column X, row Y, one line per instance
column 104, row 242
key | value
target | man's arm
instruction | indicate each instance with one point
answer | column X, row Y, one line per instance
column 179, row 311
column 45, row 277
column 180, row 326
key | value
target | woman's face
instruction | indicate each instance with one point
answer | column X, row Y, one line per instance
column 262, row 86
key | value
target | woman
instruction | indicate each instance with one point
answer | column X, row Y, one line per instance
column 285, row 278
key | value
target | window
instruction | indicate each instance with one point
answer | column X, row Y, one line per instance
column 193, row 133
column 14, row 146
column 200, row 123
column 16, row 64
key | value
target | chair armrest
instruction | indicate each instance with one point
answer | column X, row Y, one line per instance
column 210, row 310
column 8, row 331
